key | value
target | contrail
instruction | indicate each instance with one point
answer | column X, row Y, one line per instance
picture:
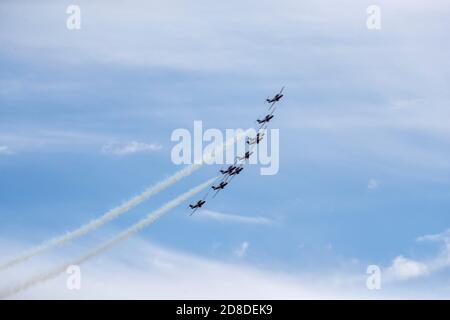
column 153, row 216
column 123, row 208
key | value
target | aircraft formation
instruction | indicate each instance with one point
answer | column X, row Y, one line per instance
column 233, row 170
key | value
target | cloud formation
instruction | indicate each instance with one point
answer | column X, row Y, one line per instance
column 404, row 268
column 35, row 139
column 130, row 148
column 143, row 270
column 233, row 218
column 439, row 237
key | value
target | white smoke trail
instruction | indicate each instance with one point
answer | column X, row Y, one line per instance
column 107, row 245
column 123, row 208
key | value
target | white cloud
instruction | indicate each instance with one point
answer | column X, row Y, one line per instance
column 130, row 148
column 5, row 150
column 298, row 40
column 225, row 217
column 38, row 139
column 242, row 250
column 440, row 237
column 186, row 34
column 34, row 139
column 139, row 270
column 373, row 184
column 404, row 268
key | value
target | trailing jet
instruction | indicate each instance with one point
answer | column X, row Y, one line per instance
column 245, row 156
column 257, row 139
column 265, row 119
column 220, row 186
column 276, row 98
column 229, row 170
column 237, row 171
column 196, row 206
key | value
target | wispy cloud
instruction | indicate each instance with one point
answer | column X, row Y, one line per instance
column 234, row 218
column 33, row 139
column 5, row 150
column 173, row 46
column 154, row 272
column 130, row 148
column 440, row 237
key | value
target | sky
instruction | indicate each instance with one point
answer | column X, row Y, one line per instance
column 86, row 118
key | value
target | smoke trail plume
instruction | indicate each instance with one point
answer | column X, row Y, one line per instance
column 117, row 211
column 109, row 244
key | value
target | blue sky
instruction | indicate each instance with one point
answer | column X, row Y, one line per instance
column 364, row 141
